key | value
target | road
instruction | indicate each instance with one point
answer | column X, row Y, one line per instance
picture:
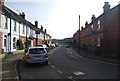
column 64, row 63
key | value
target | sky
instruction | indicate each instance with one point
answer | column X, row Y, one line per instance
column 59, row 17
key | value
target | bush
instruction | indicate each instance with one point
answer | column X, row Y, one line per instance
column 20, row 45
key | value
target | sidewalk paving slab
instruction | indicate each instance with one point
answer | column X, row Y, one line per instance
column 9, row 65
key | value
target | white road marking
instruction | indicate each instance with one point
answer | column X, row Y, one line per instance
column 53, row 66
column 60, row 71
column 78, row 73
column 69, row 77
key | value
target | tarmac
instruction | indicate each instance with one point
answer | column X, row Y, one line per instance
column 9, row 64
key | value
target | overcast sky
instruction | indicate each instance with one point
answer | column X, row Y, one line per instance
column 59, row 17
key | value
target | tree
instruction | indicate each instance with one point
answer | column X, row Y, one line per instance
column 20, row 45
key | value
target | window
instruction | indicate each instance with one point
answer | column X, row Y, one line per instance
column 6, row 23
column 92, row 27
column 98, row 25
column 15, row 26
column 23, row 29
column 14, row 43
column 5, row 40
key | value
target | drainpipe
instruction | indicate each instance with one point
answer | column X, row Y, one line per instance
column 10, row 50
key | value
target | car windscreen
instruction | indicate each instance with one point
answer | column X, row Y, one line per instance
column 37, row 51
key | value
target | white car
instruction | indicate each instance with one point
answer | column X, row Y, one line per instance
column 42, row 45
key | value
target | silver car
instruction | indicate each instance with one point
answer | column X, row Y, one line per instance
column 36, row 55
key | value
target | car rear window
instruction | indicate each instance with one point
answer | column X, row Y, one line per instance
column 37, row 51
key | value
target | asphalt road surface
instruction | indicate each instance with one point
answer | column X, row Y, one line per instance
column 66, row 64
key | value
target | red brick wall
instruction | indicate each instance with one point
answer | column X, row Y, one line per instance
column 110, row 37
column 0, row 42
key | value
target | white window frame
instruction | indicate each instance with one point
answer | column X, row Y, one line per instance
column 98, row 23
column 15, row 26
column 6, row 23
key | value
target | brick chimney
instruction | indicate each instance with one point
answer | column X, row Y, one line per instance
column 22, row 15
column 86, row 23
column 106, row 7
column 45, row 31
column 93, row 18
column 36, row 24
column 41, row 28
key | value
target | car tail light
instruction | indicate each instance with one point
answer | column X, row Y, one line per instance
column 27, row 56
column 46, row 56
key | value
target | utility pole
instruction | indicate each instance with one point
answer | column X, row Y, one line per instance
column 79, row 34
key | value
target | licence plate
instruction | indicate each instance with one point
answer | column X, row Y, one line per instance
column 37, row 56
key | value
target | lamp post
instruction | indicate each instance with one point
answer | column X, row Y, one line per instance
column 79, row 34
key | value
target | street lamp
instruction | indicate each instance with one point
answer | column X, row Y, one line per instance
column 79, row 34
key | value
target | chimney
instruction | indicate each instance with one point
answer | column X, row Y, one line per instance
column 93, row 18
column 82, row 28
column 36, row 24
column 41, row 28
column 106, row 7
column 22, row 15
column 45, row 31
column 86, row 23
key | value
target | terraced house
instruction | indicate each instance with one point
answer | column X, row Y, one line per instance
column 101, row 35
column 16, row 30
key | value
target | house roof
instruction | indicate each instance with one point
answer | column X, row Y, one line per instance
column 11, row 14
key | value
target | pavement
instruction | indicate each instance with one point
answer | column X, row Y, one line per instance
column 96, row 57
column 9, row 67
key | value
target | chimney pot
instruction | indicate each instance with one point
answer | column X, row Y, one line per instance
column 22, row 15
column 93, row 18
column 106, row 7
column 41, row 27
column 86, row 23
column 36, row 24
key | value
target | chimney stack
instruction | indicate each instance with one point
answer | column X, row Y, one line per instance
column 106, row 7
column 36, row 24
column 93, row 18
column 22, row 15
column 41, row 28
column 86, row 23
column 45, row 31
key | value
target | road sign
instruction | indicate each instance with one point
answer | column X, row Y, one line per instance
column 93, row 32
column 37, row 32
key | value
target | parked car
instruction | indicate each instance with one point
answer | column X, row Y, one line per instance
column 67, row 46
column 44, row 46
column 36, row 55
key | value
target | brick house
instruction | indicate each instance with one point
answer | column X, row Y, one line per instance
column 101, row 35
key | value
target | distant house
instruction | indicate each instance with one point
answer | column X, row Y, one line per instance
column 101, row 35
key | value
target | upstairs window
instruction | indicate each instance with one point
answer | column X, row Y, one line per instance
column 23, row 29
column 6, row 23
column 15, row 26
column 92, row 27
column 98, row 25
